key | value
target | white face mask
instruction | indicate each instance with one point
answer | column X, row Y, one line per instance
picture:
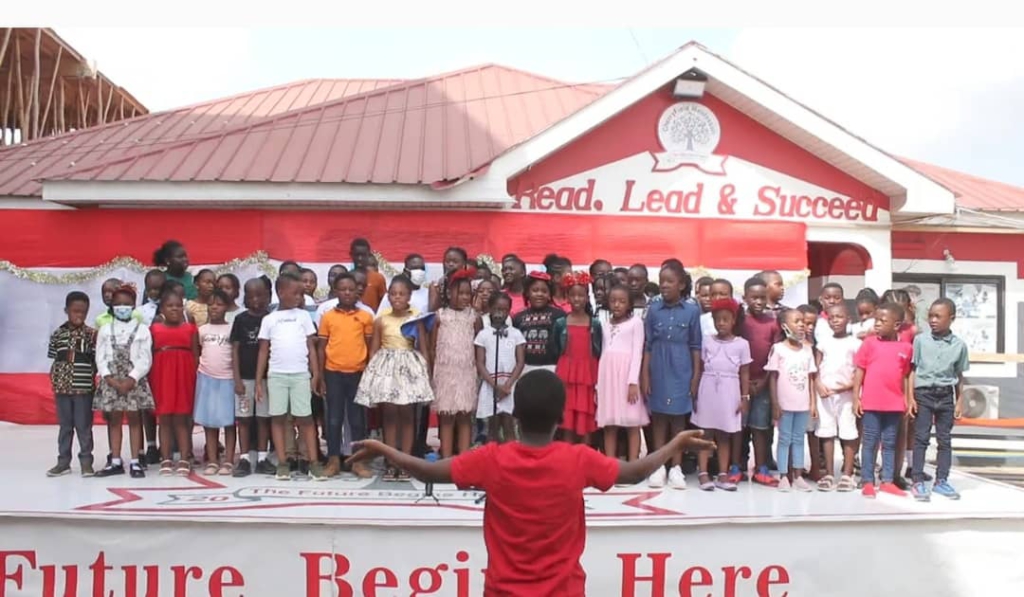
column 418, row 277
column 123, row 312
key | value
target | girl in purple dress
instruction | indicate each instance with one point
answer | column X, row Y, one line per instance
column 724, row 392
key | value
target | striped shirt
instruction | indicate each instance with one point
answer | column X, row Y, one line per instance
column 73, row 351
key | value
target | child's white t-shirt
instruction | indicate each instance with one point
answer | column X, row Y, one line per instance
column 837, row 366
column 707, row 324
column 287, row 332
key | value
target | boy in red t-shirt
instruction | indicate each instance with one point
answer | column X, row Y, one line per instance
column 880, row 396
column 534, row 525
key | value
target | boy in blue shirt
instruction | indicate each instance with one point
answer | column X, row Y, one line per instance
column 937, row 388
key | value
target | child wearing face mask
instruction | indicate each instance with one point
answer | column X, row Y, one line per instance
column 107, row 290
column 123, row 359
column 790, row 366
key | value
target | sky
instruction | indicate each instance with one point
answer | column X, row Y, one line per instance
column 945, row 96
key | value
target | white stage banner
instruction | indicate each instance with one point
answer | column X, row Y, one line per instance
column 110, row 558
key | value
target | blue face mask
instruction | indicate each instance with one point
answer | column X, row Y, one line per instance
column 122, row 312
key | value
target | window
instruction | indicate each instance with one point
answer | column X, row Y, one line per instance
column 979, row 306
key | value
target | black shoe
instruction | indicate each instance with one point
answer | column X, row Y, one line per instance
column 110, row 470
column 137, row 471
column 110, row 459
column 909, row 473
column 304, row 468
column 263, row 467
column 901, row 483
column 293, row 465
column 152, row 455
column 142, row 460
column 244, row 469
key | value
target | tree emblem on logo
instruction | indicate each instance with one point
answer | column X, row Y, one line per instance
column 689, row 128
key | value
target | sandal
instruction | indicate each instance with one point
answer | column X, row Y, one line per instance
column 183, row 469
column 704, row 482
column 846, row 483
column 226, row 469
column 723, row 483
column 166, row 468
column 211, row 469
column 827, row 483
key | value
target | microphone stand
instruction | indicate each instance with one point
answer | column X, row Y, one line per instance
column 428, row 488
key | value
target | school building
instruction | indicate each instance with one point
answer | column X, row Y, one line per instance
column 692, row 157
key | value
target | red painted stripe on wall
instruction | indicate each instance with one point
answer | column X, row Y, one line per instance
column 88, row 237
column 963, row 245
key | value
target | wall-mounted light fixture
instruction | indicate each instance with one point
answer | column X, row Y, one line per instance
column 690, row 85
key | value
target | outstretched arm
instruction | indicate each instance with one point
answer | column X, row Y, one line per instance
column 633, row 472
column 428, row 472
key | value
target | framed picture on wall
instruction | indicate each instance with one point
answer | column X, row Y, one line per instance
column 979, row 306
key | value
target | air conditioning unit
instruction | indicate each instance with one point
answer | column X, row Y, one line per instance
column 981, row 402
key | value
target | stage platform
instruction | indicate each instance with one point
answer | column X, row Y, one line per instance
column 258, row 536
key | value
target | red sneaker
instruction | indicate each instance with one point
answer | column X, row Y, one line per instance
column 891, row 489
column 735, row 475
column 766, row 480
column 868, row 491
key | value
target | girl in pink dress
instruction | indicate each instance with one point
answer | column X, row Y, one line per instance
column 724, row 392
column 618, row 375
column 455, row 381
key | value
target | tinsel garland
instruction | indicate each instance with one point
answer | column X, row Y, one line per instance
column 259, row 259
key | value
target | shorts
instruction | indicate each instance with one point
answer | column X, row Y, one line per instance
column 290, row 394
column 836, row 418
column 260, row 409
column 759, row 416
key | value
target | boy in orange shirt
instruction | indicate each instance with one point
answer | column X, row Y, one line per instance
column 343, row 346
column 376, row 285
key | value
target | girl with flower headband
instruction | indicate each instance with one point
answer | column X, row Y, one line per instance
column 123, row 359
column 537, row 323
column 578, row 336
column 455, row 379
column 723, row 395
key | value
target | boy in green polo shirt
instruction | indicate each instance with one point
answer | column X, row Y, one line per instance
column 940, row 360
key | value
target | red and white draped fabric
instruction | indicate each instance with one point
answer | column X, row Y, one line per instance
column 78, row 247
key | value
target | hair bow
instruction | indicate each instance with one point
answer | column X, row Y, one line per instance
column 725, row 304
column 127, row 288
column 571, row 279
column 536, row 275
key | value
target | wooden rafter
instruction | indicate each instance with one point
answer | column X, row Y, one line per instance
column 51, row 88
column 53, row 84
column 37, row 74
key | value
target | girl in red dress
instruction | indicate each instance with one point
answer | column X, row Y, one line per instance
column 578, row 336
column 173, row 379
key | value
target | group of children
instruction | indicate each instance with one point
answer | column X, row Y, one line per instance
column 637, row 368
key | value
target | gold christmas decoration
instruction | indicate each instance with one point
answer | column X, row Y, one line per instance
column 259, row 259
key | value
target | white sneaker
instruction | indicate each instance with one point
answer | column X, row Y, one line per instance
column 676, row 479
column 657, row 478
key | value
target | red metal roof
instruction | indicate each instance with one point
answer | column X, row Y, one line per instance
column 424, row 131
column 971, row 191
column 23, row 166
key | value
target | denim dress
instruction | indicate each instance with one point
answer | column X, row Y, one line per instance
column 672, row 331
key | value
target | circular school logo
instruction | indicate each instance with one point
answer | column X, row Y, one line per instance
column 689, row 129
